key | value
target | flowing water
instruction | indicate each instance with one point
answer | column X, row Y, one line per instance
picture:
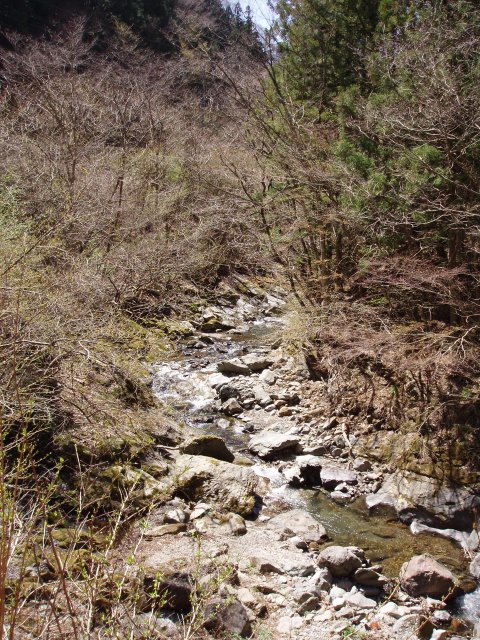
column 185, row 384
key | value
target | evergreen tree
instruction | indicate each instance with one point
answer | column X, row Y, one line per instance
column 324, row 42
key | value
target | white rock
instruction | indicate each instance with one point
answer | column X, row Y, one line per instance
column 325, row 616
column 287, row 625
column 337, row 592
column 338, row 603
column 393, row 610
column 268, row 376
column 360, row 601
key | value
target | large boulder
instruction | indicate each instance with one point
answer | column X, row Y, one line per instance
column 234, row 366
column 229, row 618
column 424, row 576
column 290, row 562
column 216, row 319
column 300, row 524
column 256, row 362
column 370, row 577
column 341, row 561
column 169, row 583
column 231, row 486
column 381, row 504
column 331, row 476
column 208, row 445
column 310, row 469
column 459, row 537
column 269, row 444
column 434, row 503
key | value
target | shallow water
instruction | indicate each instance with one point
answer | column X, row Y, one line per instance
column 468, row 607
column 384, row 541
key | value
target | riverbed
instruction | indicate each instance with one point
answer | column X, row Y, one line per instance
column 185, row 384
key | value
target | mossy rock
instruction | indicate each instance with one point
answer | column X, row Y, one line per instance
column 74, row 538
column 208, row 445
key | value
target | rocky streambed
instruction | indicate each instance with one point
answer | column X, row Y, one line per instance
column 321, row 542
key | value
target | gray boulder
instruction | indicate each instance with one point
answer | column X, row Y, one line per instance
column 300, row 524
column 256, row 362
column 361, row 464
column 232, row 407
column 423, row 576
column 261, row 395
column 473, row 542
column 368, row 577
column 235, row 366
column 332, row 476
column 291, row 562
column 237, row 524
column 268, row 377
column 426, row 499
column 307, row 598
column 358, row 600
column 213, row 320
column 231, row 486
column 208, row 445
column 268, row 444
column 459, row 537
column 381, row 504
column 227, row 617
column 341, row 561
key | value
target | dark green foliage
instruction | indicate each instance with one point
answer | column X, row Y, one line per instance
column 324, row 42
column 377, row 130
column 145, row 17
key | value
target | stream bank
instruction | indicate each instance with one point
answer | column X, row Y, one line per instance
column 235, row 381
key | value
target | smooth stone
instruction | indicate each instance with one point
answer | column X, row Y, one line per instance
column 394, row 610
column 256, row 362
column 341, row 561
column 369, row 577
column 232, row 408
column 237, row 524
column 332, row 476
column 234, row 366
column 268, row 377
column 362, row 465
column 297, row 522
column 422, row 575
column 360, row 601
column 176, row 516
column 287, row 625
column 269, row 443
column 165, row 530
column 459, row 537
column 475, row 566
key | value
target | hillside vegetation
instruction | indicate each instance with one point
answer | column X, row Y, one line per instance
column 370, row 198
column 151, row 151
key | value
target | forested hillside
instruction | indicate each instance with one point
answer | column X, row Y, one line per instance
column 372, row 168
column 171, row 179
